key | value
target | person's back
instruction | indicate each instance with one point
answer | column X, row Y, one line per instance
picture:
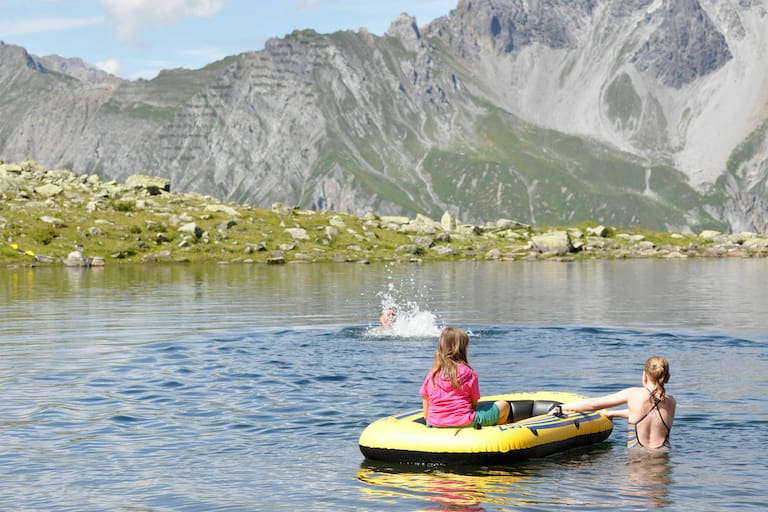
column 650, row 411
column 649, row 418
column 449, row 405
column 451, row 390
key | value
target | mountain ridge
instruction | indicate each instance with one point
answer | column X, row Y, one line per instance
column 549, row 112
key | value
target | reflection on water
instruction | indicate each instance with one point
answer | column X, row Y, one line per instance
column 710, row 295
column 446, row 488
column 649, row 476
column 577, row 478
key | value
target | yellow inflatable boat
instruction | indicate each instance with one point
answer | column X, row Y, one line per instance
column 531, row 433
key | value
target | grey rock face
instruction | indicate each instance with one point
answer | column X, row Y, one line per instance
column 75, row 67
column 685, row 46
column 405, row 29
column 622, row 8
column 508, row 25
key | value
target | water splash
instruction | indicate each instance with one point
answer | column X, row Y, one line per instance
column 411, row 322
column 410, row 319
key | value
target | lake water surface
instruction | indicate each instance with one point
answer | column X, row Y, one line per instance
column 245, row 387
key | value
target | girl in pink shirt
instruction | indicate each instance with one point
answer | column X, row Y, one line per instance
column 451, row 389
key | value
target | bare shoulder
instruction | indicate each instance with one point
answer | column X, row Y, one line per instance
column 636, row 397
column 671, row 400
column 636, row 392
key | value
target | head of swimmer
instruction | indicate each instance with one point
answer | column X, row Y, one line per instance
column 387, row 317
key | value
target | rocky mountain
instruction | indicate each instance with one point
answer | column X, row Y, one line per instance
column 627, row 112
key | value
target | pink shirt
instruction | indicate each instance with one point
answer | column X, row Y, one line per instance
column 448, row 406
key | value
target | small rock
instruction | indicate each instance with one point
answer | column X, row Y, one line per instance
column 331, row 232
column 709, row 234
column 445, row 250
column 448, row 222
column 281, row 209
column 192, row 229
column 298, row 233
column 76, row 259
column 508, row 224
column 422, row 241
column 493, row 254
column 223, row 209
column 397, row 221
column 48, row 190
column 410, row 249
column 600, row 231
column 756, row 244
column 154, row 185
column 226, row 225
column 645, row 245
column 52, row 220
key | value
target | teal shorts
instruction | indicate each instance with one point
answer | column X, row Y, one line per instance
column 487, row 416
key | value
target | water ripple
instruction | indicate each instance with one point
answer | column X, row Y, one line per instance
column 208, row 414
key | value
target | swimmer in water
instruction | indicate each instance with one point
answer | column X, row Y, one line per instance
column 387, row 318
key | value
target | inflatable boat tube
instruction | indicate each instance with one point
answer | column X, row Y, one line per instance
column 531, row 433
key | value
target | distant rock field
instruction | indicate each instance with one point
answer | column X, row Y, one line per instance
column 58, row 217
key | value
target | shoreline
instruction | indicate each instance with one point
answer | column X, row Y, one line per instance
column 58, row 217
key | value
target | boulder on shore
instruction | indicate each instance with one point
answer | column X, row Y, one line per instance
column 557, row 242
column 154, row 185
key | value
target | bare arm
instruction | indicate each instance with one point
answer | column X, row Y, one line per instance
column 425, row 404
column 597, row 403
column 623, row 413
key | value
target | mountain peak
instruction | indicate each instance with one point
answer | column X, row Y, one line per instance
column 11, row 55
column 77, row 68
column 404, row 27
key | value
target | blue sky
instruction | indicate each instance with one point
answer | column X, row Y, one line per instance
column 137, row 38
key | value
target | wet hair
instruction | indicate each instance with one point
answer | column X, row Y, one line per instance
column 451, row 350
column 657, row 369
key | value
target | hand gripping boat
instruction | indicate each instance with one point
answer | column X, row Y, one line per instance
column 532, row 433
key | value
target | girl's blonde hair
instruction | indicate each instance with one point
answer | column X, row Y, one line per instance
column 657, row 369
column 451, row 350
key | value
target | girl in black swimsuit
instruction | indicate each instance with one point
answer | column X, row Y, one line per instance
column 641, row 402
column 632, row 439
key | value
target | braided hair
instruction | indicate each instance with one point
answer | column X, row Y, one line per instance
column 657, row 369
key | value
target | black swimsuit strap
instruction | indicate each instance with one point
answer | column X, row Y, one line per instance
column 662, row 418
column 655, row 406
